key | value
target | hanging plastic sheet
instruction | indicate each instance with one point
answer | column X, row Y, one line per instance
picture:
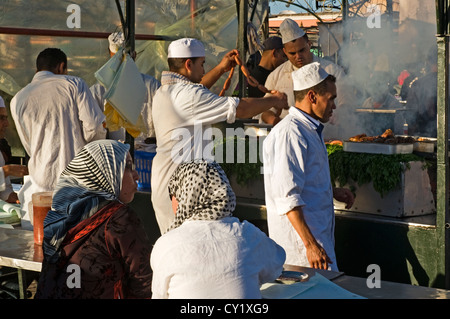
column 125, row 93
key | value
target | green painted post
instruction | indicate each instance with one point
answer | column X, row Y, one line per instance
column 442, row 218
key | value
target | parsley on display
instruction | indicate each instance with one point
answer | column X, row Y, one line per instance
column 383, row 170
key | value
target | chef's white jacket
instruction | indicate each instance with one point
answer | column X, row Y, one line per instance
column 296, row 173
column 151, row 85
column 55, row 116
column 183, row 113
column 214, row 260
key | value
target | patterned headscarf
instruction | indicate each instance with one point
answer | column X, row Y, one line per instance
column 91, row 178
column 203, row 192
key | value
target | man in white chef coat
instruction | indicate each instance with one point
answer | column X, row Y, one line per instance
column 7, row 170
column 116, row 42
column 185, row 107
column 297, row 48
column 298, row 190
column 55, row 116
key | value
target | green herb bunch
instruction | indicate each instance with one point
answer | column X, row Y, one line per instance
column 384, row 171
column 241, row 167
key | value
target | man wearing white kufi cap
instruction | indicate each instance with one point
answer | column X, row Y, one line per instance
column 298, row 190
column 184, row 106
column 7, row 193
column 116, row 42
column 297, row 48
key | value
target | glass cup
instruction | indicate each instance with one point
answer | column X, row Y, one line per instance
column 42, row 203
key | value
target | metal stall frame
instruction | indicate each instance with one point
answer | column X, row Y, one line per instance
column 442, row 217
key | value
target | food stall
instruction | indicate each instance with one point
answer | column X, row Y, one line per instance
column 408, row 242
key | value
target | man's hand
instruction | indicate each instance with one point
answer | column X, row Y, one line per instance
column 13, row 198
column 281, row 100
column 228, row 61
column 344, row 195
column 317, row 257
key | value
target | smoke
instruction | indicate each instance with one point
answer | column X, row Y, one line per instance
column 378, row 47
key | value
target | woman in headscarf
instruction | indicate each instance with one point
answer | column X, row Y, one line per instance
column 94, row 244
column 208, row 253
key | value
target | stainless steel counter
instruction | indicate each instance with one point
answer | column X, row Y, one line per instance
column 18, row 250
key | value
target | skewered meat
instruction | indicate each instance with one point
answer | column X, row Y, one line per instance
column 387, row 133
column 357, row 138
column 387, row 137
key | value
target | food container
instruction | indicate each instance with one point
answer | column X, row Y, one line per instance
column 426, row 145
column 423, row 144
column 291, row 277
column 412, row 197
column 378, row 148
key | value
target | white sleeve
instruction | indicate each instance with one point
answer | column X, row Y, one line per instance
column 98, row 93
column 2, row 180
column 211, row 108
column 284, row 166
column 90, row 114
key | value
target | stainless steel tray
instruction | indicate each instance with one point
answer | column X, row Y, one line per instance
column 378, row 148
column 427, row 145
column 424, row 146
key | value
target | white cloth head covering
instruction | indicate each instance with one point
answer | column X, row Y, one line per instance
column 2, row 103
column 290, row 30
column 308, row 76
column 116, row 40
column 186, row 48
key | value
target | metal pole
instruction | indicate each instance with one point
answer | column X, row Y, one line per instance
column 242, row 43
column 193, row 15
column 130, row 22
column 130, row 47
column 442, row 218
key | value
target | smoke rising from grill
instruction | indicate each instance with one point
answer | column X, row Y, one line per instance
column 374, row 58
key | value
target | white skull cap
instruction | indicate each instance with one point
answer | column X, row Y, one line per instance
column 2, row 103
column 308, row 76
column 116, row 40
column 186, row 48
column 290, row 30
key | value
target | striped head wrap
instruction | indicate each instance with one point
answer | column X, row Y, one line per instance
column 92, row 179
column 203, row 192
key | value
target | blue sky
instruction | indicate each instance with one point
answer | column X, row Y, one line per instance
column 276, row 7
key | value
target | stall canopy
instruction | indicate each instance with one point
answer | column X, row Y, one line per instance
column 80, row 28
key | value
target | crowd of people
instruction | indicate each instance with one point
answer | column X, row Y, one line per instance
column 203, row 251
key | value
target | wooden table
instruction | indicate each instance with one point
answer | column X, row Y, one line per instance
column 18, row 250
